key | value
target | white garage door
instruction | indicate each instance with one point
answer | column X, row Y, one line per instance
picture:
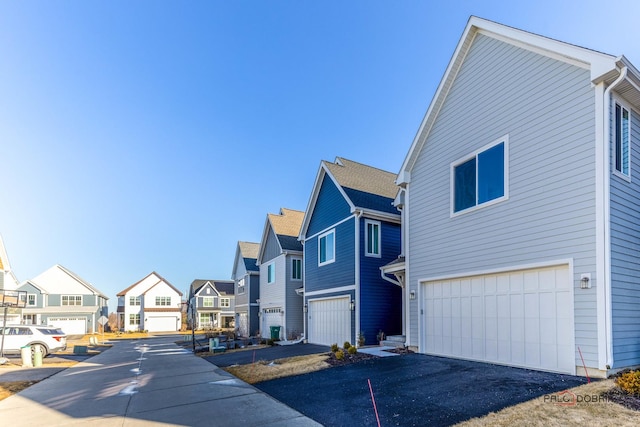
column 243, row 326
column 69, row 325
column 520, row 318
column 329, row 321
column 161, row 324
column 272, row 317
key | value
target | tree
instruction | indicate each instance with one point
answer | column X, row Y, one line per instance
column 113, row 322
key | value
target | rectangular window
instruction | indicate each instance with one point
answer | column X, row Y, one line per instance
column 207, row 301
column 206, row 320
column 327, row 248
column 134, row 319
column 622, row 140
column 164, row 301
column 271, row 273
column 71, row 299
column 225, row 302
column 241, row 286
column 372, row 238
column 481, row 178
column 134, row 300
column 31, row 300
column 296, row 269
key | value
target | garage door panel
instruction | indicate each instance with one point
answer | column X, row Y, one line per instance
column 70, row 325
column 329, row 321
column 521, row 318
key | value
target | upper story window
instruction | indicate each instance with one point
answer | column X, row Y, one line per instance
column 296, row 269
column 481, row 178
column 71, row 299
column 134, row 300
column 225, row 302
column 622, row 140
column 207, row 301
column 241, row 286
column 327, row 247
column 271, row 273
column 372, row 238
column 31, row 300
column 163, row 300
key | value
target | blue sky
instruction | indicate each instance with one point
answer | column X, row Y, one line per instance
column 153, row 135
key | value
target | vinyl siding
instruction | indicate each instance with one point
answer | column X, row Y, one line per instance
column 240, row 273
column 271, row 247
column 625, row 255
column 546, row 107
column 293, row 309
column 329, row 294
column 330, row 208
column 339, row 273
column 380, row 301
column 273, row 294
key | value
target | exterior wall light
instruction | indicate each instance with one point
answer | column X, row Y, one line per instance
column 585, row 281
column 305, row 308
column 352, row 305
column 412, row 295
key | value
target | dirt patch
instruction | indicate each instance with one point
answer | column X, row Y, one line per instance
column 264, row 370
column 588, row 405
column 10, row 388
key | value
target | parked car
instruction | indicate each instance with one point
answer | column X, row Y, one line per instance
column 49, row 338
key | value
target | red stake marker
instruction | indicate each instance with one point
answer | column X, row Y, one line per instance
column 584, row 366
column 374, row 402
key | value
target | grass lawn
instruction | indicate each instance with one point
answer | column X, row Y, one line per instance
column 264, row 370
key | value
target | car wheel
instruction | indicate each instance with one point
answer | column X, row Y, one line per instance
column 43, row 349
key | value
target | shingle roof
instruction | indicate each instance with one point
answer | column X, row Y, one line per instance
column 160, row 279
column 225, row 287
column 249, row 253
column 289, row 243
column 368, row 179
column 287, row 223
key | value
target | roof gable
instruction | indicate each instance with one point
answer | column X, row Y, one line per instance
column 602, row 67
column 59, row 280
column 146, row 283
column 283, row 227
column 219, row 287
column 247, row 256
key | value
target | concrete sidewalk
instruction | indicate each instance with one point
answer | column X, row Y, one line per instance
column 146, row 382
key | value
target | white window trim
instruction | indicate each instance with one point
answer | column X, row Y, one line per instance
column 452, row 184
column 293, row 270
column 332, row 260
column 225, row 300
column 271, row 266
column 35, row 300
column 366, row 238
column 74, row 298
column 616, row 172
column 208, row 299
column 241, row 285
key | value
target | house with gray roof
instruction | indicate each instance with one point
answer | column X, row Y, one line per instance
column 280, row 262
column 350, row 230
column 212, row 304
column 246, row 277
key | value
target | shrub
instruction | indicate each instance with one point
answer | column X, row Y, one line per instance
column 629, row 382
column 361, row 339
column 334, row 347
column 269, row 342
column 346, row 345
column 339, row 354
column 352, row 350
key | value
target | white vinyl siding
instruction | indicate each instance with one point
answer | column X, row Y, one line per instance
column 547, row 106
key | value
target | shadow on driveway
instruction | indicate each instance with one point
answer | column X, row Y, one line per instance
column 246, row 357
column 412, row 390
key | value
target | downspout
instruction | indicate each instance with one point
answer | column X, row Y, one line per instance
column 606, row 128
column 358, row 215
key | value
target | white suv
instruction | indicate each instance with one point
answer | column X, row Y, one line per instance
column 49, row 338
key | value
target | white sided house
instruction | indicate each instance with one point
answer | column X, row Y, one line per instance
column 520, row 195
column 59, row 297
column 151, row 304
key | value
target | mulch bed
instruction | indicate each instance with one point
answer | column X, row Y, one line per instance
column 348, row 358
column 621, row 397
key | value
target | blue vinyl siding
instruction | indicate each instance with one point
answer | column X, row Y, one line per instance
column 625, row 256
column 380, row 301
column 330, row 208
column 339, row 273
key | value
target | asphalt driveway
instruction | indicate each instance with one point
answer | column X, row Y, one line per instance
column 245, row 357
column 412, row 390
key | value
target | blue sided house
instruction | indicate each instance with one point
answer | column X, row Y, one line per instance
column 350, row 230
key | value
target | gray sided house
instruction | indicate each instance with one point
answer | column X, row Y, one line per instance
column 246, row 276
column 520, row 198
column 60, row 298
column 280, row 262
column 212, row 304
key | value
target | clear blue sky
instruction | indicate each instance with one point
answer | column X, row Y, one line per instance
column 153, row 135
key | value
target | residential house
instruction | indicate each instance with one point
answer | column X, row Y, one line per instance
column 152, row 304
column 521, row 195
column 8, row 282
column 350, row 230
column 280, row 263
column 61, row 298
column 212, row 304
column 246, row 276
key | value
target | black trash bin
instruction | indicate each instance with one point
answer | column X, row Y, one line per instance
column 275, row 332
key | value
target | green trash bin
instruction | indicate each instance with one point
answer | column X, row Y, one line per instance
column 275, row 332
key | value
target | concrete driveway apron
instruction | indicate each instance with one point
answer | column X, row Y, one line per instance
column 146, row 382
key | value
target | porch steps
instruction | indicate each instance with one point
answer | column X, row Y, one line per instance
column 394, row 341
